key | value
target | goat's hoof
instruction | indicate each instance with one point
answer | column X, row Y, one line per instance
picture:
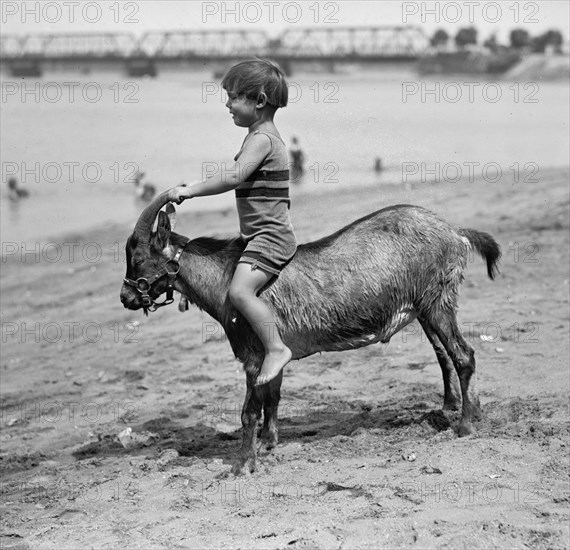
column 464, row 428
column 244, row 466
column 270, row 443
column 477, row 414
column 270, row 440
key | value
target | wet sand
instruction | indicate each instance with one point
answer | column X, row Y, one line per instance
column 366, row 458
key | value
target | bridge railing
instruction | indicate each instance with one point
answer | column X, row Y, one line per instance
column 298, row 43
column 68, row 45
column 354, row 41
column 203, row 43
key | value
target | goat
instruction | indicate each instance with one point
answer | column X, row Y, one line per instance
column 356, row 287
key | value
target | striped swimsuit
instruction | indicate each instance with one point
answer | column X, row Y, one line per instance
column 263, row 208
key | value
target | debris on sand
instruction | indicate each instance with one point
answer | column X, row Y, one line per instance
column 135, row 440
column 167, row 456
column 430, row 470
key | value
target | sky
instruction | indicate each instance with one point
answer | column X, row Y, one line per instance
column 80, row 16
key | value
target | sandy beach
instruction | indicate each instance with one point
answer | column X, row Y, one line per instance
column 366, row 458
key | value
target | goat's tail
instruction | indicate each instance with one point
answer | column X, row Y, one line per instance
column 486, row 246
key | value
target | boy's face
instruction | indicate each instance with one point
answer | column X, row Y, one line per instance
column 244, row 111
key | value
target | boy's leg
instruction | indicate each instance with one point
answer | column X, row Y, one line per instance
column 246, row 283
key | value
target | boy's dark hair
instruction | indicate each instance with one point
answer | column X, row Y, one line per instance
column 251, row 77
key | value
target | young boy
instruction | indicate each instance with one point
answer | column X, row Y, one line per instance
column 260, row 176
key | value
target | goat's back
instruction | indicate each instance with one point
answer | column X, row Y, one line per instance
column 393, row 239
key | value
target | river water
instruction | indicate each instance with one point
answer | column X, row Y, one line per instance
column 75, row 141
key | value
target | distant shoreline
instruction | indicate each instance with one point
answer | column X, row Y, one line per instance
column 507, row 65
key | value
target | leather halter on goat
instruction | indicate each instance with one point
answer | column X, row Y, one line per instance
column 144, row 284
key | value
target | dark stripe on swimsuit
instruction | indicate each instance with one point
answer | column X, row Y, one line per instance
column 269, row 175
column 262, row 192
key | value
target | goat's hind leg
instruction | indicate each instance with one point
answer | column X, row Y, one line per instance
column 463, row 357
column 451, row 388
column 246, row 460
column 271, row 397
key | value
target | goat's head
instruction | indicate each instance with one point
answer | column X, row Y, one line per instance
column 147, row 254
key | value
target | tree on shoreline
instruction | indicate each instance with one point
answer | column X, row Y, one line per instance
column 439, row 39
column 519, row 38
column 551, row 38
column 465, row 37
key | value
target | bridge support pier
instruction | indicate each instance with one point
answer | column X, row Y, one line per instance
column 25, row 67
column 143, row 66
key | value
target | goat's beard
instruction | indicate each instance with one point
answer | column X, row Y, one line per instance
column 145, row 310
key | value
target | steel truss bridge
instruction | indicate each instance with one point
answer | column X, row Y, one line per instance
column 141, row 52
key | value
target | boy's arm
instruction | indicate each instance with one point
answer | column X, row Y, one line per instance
column 256, row 149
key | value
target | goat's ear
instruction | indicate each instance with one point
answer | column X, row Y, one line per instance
column 171, row 213
column 161, row 239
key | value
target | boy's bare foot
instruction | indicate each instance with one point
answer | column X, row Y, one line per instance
column 272, row 365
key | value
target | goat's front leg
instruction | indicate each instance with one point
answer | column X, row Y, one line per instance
column 271, row 397
column 250, row 415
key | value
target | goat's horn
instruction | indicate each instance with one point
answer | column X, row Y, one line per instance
column 143, row 228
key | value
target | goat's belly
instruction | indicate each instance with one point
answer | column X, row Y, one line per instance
column 396, row 323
